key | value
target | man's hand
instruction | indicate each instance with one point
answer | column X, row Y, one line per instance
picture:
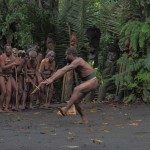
column 17, row 61
column 47, row 81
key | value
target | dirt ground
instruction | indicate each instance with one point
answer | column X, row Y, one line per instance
column 111, row 127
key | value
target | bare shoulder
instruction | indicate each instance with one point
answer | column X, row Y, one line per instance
column 43, row 61
column 3, row 57
column 78, row 60
column 75, row 63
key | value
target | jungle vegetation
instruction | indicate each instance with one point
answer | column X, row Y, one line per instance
column 24, row 22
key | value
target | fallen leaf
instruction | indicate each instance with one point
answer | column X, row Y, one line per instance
column 104, row 123
column 120, row 126
column 42, row 124
column 53, row 130
column 97, row 141
column 93, row 110
column 37, row 113
column 71, row 133
column 107, row 131
column 138, row 120
column 70, row 138
column 71, row 147
column 53, row 134
column 10, row 114
column 42, row 133
column 133, row 124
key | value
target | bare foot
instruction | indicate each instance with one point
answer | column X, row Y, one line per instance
column 17, row 107
column 23, row 107
column 46, row 105
column 63, row 111
column 14, row 108
column 1, row 110
column 84, row 121
column 42, row 106
column 31, row 107
column 7, row 110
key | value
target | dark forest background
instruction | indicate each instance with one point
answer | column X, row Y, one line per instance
column 27, row 22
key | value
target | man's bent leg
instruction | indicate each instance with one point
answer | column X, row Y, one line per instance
column 78, row 93
column 80, row 111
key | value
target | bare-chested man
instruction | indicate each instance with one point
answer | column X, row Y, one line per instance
column 6, row 79
column 19, row 78
column 85, row 72
column 46, row 69
column 31, row 75
column 20, row 72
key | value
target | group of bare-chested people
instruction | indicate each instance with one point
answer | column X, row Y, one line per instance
column 20, row 73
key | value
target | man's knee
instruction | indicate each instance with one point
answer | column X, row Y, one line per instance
column 77, row 89
column 3, row 93
column 8, row 93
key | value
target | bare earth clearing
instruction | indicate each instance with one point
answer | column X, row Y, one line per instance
column 111, row 127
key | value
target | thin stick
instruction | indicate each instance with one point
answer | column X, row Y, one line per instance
column 36, row 89
column 47, row 94
column 17, row 103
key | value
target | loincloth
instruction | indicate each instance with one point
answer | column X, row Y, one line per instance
column 31, row 75
column 6, row 76
column 47, row 75
column 89, row 77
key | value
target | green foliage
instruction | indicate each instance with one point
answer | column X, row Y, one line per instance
column 134, row 76
column 80, row 14
column 138, row 32
column 97, row 73
column 29, row 19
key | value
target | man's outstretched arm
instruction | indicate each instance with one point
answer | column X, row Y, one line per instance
column 61, row 72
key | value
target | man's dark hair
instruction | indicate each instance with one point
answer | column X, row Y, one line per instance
column 6, row 46
column 72, row 50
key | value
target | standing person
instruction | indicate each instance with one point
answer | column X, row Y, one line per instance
column 19, row 78
column 88, row 78
column 6, row 79
column 31, row 76
column 46, row 69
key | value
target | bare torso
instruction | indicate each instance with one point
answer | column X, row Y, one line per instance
column 83, row 68
column 6, row 61
column 46, row 68
column 31, row 66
